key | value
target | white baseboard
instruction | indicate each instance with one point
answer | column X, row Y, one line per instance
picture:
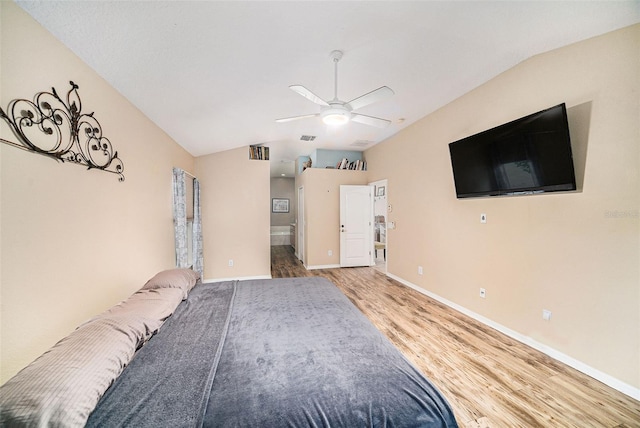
column 609, row 380
column 237, row 278
column 321, row 267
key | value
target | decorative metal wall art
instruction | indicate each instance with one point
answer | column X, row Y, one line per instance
column 52, row 127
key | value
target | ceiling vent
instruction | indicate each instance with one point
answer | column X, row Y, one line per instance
column 308, row 138
column 361, row 143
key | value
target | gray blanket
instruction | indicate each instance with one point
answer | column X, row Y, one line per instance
column 271, row 353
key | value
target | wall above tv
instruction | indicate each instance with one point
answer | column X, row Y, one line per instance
column 526, row 156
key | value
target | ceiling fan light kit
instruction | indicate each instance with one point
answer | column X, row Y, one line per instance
column 337, row 112
column 335, row 115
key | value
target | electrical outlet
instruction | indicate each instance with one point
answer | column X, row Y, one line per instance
column 483, row 293
column 230, row 262
column 419, row 270
column 546, row 315
column 330, row 253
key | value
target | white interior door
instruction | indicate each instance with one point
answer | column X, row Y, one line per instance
column 300, row 225
column 356, row 226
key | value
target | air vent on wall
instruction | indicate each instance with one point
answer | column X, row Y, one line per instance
column 308, row 138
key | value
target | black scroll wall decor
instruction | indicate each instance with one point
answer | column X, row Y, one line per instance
column 52, row 127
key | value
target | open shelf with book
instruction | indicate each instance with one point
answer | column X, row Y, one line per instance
column 356, row 165
column 258, row 153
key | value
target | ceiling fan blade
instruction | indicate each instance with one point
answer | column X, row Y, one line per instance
column 370, row 120
column 370, row 98
column 289, row 119
column 308, row 94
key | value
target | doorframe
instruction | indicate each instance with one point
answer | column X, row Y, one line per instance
column 300, row 226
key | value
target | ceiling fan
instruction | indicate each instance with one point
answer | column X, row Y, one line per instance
column 337, row 112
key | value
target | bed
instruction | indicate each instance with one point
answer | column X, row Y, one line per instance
column 262, row 353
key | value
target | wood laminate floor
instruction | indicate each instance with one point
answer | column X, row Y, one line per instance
column 489, row 379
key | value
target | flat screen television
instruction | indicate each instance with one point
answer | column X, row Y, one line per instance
column 526, row 156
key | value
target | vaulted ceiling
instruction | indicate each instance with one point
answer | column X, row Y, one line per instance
column 215, row 75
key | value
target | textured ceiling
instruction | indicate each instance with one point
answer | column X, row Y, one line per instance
column 215, row 75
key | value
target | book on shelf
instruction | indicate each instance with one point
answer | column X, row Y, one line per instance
column 357, row 165
column 258, row 153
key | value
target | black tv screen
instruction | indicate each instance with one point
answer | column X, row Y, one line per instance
column 526, row 156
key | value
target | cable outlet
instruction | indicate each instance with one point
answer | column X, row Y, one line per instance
column 483, row 293
column 546, row 315
column 419, row 270
column 483, row 218
column 230, row 262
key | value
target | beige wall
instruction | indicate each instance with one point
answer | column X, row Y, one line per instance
column 322, row 212
column 83, row 240
column 235, row 204
column 575, row 254
column 74, row 242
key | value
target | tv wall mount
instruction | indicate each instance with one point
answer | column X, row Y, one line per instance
column 56, row 128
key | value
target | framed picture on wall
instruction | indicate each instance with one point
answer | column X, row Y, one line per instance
column 279, row 205
column 380, row 191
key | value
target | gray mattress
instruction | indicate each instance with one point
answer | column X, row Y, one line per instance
column 270, row 353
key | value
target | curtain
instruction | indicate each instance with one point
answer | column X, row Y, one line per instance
column 198, row 258
column 180, row 224
column 180, row 217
